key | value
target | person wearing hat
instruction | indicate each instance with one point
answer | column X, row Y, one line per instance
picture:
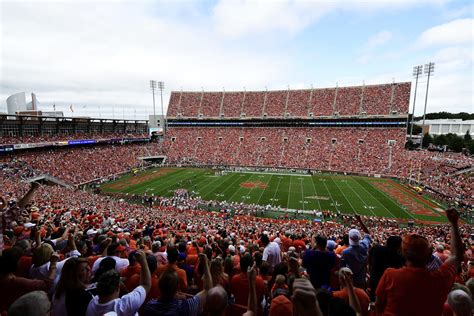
column 414, row 289
column 108, row 289
column 355, row 257
column 115, row 251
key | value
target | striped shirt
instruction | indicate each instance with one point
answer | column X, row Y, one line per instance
column 187, row 307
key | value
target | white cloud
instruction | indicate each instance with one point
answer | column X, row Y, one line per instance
column 96, row 53
column 455, row 32
column 379, row 39
column 252, row 17
column 373, row 43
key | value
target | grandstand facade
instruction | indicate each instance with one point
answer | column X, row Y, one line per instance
column 349, row 129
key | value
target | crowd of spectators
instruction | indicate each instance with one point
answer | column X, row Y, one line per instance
column 347, row 101
column 78, row 253
column 82, row 164
column 336, row 149
column 8, row 140
column 369, row 151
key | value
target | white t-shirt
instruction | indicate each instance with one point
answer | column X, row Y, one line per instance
column 120, row 263
column 272, row 254
column 42, row 272
column 127, row 305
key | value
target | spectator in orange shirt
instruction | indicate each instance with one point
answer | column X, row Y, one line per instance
column 173, row 254
column 413, row 289
column 345, row 245
column 347, row 287
column 134, row 279
column 239, row 284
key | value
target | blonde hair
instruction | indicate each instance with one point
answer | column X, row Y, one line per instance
column 42, row 254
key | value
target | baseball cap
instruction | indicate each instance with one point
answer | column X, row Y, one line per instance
column 231, row 248
column 354, row 237
column 331, row 245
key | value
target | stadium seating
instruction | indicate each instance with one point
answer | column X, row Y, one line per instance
column 379, row 100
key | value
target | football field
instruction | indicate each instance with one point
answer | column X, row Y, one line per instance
column 339, row 193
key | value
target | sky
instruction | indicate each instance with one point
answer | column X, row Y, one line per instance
column 99, row 56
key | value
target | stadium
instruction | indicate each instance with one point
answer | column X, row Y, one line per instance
column 310, row 201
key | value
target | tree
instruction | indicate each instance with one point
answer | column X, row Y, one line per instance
column 427, row 139
column 467, row 137
column 440, row 140
column 456, row 144
column 470, row 147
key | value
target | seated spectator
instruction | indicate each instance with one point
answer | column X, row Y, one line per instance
column 108, row 289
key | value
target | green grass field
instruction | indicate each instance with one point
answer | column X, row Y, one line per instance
column 347, row 194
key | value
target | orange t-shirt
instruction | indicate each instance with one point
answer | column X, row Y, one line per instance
column 134, row 281
column 364, row 299
column 239, row 286
column 415, row 291
column 340, row 249
column 130, row 270
column 183, row 280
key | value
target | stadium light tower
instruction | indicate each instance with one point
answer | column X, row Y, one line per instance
column 153, row 87
column 417, row 71
column 161, row 86
column 429, row 69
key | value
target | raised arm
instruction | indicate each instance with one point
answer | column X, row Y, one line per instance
column 207, row 281
column 25, row 200
column 145, row 276
column 353, row 299
column 457, row 247
column 252, row 302
column 362, row 225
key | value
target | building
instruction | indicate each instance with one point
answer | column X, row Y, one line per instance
column 447, row 126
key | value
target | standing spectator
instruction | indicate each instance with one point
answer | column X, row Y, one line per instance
column 240, row 283
column 11, row 286
column 413, row 289
column 319, row 262
column 355, row 257
column 115, row 251
column 108, row 289
column 172, row 254
column 348, row 292
column 383, row 257
column 271, row 253
column 71, row 296
column 168, row 304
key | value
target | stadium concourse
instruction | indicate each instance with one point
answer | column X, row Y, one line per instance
column 75, row 252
